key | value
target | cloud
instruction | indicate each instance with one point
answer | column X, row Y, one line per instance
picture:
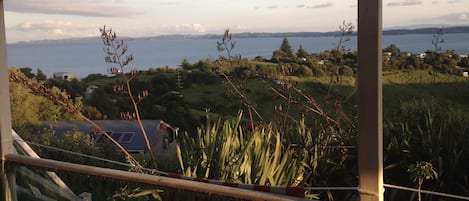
column 99, row 8
column 195, row 28
column 454, row 1
column 404, row 3
column 324, row 5
column 50, row 29
column 300, row 6
column 54, row 29
column 272, row 7
column 188, row 28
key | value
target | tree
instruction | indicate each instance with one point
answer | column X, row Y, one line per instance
column 302, row 53
column 28, row 109
column 277, row 55
column 413, row 62
column 28, row 72
column 104, row 103
column 286, row 48
column 40, row 75
column 464, row 62
column 393, row 49
column 186, row 65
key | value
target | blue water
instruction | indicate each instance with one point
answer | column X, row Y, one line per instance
column 86, row 57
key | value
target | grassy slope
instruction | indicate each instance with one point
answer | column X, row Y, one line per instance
column 397, row 87
column 223, row 100
column 402, row 86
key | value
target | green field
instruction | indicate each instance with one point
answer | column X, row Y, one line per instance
column 398, row 87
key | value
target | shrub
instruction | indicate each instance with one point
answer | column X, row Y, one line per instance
column 305, row 71
column 346, row 71
column 318, row 71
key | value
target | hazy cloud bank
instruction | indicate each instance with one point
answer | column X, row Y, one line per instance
column 89, row 8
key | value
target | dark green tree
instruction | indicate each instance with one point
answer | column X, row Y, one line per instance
column 277, row 55
column 413, row 62
column 28, row 72
column 286, row 47
column 185, row 64
column 302, row 53
column 393, row 49
column 464, row 62
column 40, row 75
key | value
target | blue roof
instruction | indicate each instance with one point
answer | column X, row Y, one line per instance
column 126, row 131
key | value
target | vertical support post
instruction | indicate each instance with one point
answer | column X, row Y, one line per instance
column 6, row 140
column 370, row 138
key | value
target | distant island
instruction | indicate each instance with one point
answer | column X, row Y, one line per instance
column 433, row 30
column 456, row 29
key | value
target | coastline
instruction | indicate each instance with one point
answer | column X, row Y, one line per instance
column 387, row 32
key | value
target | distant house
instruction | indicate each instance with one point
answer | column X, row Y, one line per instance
column 64, row 76
column 422, row 55
column 126, row 132
column 323, row 61
column 387, row 55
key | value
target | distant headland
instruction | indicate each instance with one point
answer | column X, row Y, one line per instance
column 403, row 31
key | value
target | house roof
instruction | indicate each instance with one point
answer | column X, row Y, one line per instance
column 127, row 132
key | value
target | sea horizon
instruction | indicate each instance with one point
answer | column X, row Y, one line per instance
column 84, row 57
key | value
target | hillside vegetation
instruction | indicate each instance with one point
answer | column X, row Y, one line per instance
column 291, row 119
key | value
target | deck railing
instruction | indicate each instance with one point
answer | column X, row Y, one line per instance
column 145, row 179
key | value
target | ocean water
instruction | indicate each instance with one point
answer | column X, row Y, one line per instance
column 85, row 57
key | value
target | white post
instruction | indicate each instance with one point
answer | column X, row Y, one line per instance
column 6, row 141
column 370, row 138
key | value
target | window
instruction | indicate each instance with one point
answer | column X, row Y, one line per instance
column 127, row 137
column 121, row 137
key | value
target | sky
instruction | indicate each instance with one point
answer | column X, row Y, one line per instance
column 27, row 20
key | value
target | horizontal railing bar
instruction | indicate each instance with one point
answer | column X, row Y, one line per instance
column 332, row 188
column 426, row 192
column 147, row 179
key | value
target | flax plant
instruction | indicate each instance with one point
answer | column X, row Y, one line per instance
column 426, row 130
column 117, row 56
column 225, row 151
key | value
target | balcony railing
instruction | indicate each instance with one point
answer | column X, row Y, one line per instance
column 144, row 179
